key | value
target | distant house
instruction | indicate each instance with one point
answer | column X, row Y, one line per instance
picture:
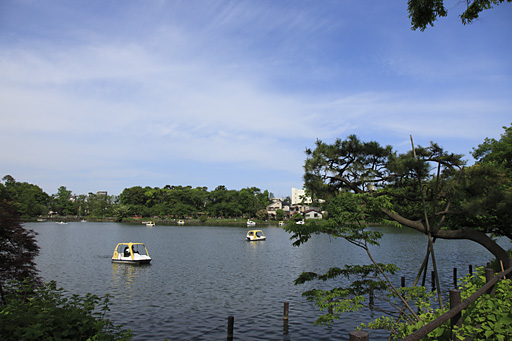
column 313, row 213
column 277, row 204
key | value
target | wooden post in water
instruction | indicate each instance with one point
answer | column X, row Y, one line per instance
column 231, row 322
column 286, row 310
column 402, row 282
column 433, row 280
column 455, row 299
column 358, row 335
column 285, row 318
column 371, row 296
column 471, row 269
column 454, row 279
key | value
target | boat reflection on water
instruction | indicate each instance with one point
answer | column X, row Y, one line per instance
column 124, row 275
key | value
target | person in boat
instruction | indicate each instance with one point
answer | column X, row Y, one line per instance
column 250, row 234
column 133, row 249
column 126, row 251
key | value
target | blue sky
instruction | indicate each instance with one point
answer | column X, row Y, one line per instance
column 105, row 95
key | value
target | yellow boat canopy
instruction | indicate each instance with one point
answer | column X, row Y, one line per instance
column 121, row 248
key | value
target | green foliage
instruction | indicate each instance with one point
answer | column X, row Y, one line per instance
column 121, row 212
column 489, row 317
column 176, row 201
column 344, row 299
column 47, row 313
column 425, row 12
column 496, row 152
column 280, row 214
column 402, row 324
column 29, row 200
column 347, row 215
column 262, row 214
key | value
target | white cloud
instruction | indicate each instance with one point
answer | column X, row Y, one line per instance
column 240, row 84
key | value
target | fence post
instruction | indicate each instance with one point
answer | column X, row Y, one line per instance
column 402, row 282
column 455, row 278
column 231, row 322
column 433, row 280
column 471, row 269
column 489, row 274
column 455, row 299
column 358, row 335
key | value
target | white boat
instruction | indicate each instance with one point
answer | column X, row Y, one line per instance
column 83, row 221
column 250, row 223
column 150, row 224
column 281, row 223
column 131, row 253
column 181, row 222
column 300, row 222
column 61, row 223
column 255, row 235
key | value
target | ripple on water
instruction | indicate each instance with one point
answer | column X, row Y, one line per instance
column 201, row 275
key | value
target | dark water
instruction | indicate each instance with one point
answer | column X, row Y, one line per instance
column 200, row 275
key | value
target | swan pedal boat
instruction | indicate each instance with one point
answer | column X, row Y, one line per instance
column 131, row 253
column 255, row 235
column 251, row 223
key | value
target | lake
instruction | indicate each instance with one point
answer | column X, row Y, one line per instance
column 200, row 275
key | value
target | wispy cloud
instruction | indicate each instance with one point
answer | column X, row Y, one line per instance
column 152, row 92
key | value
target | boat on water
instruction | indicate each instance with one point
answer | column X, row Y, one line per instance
column 255, row 235
column 131, row 253
column 300, row 222
column 181, row 222
column 250, row 223
column 281, row 223
column 61, row 223
column 150, row 224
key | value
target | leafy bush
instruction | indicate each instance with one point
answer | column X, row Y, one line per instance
column 45, row 313
column 489, row 317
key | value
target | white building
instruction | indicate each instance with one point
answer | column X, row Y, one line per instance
column 299, row 197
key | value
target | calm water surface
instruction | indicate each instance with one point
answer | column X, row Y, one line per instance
column 202, row 274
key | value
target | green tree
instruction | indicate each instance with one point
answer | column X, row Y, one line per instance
column 425, row 12
column 120, row 212
column 63, row 202
column 101, row 205
column 262, row 214
column 133, row 196
column 29, row 200
column 280, row 214
column 496, row 152
column 18, row 248
column 421, row 189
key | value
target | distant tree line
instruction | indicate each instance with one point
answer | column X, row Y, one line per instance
column 176, row 201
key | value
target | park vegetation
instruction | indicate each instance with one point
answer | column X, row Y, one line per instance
column 426, row 189
column 170, row 201
column 33, row 310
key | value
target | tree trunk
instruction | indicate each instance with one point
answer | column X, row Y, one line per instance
column 463, row 233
